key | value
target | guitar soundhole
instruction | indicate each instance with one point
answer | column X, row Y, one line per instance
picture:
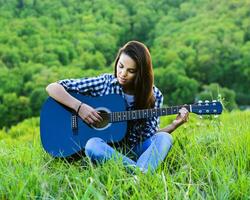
column 104, row 122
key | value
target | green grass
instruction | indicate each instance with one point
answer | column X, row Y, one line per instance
column 210, row 159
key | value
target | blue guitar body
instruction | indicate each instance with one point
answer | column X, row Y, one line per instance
column 60, row 138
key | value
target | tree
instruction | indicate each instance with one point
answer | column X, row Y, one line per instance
column 13, row 109
column 176, row 87
column 214, row 91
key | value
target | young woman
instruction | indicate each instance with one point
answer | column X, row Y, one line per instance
column 144, row 146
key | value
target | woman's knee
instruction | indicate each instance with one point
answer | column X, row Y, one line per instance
column 164, row 137
column 92, row 144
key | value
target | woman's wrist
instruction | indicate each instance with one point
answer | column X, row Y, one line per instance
column 79, row 107
column 76, row 105
column 175, row 124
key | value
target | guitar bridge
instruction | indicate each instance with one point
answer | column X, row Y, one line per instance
column 74, row 123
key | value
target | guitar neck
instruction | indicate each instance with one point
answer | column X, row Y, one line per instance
column 146, row 113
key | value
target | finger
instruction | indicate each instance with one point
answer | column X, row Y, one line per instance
column 90, row 121
column 182, row 112
column 183, row 116
column 86, row 118
column 94, row 118
column 184, row 108
column 98, row 116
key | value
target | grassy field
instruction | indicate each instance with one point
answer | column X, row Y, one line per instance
column 210, row 159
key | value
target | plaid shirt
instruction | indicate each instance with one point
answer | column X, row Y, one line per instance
column 108, row 84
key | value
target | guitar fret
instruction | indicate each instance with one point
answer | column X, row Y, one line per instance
column 119, row 116
column 124, row 116
column 163, row 111
column 174, row 110
column 133, row 115
column 158, row 112
column 166, row 111
column 177, row 109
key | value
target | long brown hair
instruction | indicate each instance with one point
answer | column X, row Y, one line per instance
column 144, row 80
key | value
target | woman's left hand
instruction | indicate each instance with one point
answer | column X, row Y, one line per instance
column 182, row 117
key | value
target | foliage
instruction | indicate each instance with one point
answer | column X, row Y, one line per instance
column 13, row 109
column 178, row 88
column 192, row 43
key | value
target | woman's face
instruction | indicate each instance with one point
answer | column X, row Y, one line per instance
column 126, row 70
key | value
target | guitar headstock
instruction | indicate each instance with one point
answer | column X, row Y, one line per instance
column 207, row 108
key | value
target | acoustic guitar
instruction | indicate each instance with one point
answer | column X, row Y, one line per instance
column 63, row 133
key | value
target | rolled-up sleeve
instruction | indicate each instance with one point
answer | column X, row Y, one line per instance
column 92, row 85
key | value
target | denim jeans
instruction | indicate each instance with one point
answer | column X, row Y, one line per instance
column 150, row 153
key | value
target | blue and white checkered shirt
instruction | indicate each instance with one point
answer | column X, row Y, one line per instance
column 108, row 84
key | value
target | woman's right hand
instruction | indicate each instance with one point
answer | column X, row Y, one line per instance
column 89, row 114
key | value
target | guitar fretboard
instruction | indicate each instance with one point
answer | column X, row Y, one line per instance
column 146, row 113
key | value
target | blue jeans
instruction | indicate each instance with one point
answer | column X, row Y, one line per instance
column 150, row 153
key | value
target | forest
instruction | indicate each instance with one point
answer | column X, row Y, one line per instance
column 200, row 49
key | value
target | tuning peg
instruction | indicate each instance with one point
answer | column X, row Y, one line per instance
column 206, row 102
column 200, row 102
